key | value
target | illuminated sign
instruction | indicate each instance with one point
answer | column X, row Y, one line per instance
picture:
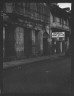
column 58, row 34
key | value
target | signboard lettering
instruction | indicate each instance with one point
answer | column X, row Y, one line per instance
column 58, row 34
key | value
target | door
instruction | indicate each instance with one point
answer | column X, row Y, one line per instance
column 45, row 46
column 53, row 46
column 63, row 46
column 58, row 47
column 45, row 43
column 9, row 41
column 36, row 42
column 27, row 42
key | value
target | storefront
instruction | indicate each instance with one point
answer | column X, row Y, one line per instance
column 22, row 38
column 58, row 42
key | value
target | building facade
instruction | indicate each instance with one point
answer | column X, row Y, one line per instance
column 28, row 29
column 60, row 29
column 25, row 30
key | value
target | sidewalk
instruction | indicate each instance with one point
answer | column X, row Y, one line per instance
column 30, row 60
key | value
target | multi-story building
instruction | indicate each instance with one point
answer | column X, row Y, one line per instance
column 28, row 29
column 59, row 29
column 25, row 30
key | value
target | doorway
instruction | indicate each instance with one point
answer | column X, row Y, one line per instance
column 27, row 42
column 45, row 43
column 9, row 41
column 58, row 47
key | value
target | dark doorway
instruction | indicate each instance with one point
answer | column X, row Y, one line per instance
column 45, row 43
column 63, row 46
column 53, row 46
column 27, row 42
column 9, row 41
column 45, row 46
column 58, row 47
column 36, row 42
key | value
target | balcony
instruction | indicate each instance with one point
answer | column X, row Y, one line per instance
column 26, row 12
column 56, row 25
column 60, row 26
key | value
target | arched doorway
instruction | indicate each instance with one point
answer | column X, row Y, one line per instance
column 45, row 43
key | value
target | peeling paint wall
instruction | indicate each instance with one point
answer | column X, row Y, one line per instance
column 19, row 41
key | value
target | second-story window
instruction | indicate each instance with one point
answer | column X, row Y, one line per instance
column 4, row 7
column 38, row 8
column 63, row 21
column 35, row 7
column 67, row 22
column 60, row 21
column 9, row 7
column 27, row 6
column 54, row 19
column 21, row 5
column 57, row 19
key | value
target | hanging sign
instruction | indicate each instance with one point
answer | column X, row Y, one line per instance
column 58, row 34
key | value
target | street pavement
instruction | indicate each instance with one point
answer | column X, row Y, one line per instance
column 30, row 60
column 48, row 76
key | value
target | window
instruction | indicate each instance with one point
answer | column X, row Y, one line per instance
column 9, row 7
column 17, row 6
column 67, row 22
column 60, row 21
column 27, row 6
column 21, row 5
column 38, row 8
column 57, row 19
column 64, row 21
column 53, row 18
